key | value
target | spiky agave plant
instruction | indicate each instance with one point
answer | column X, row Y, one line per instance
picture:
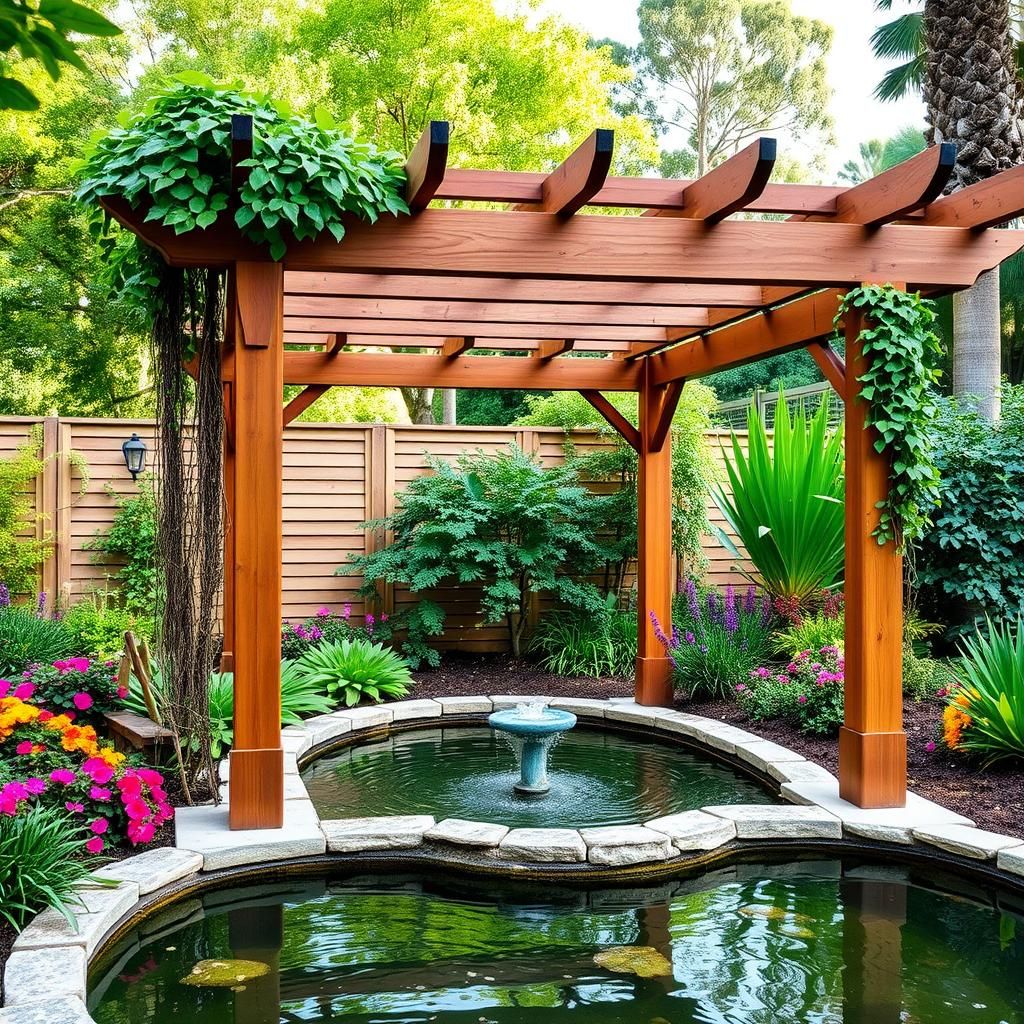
column 785, row 501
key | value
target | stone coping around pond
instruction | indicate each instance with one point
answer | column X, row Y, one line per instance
column 814, row 811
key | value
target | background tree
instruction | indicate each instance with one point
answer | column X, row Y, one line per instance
column 725, row 71
column 967, row 59
column 871, row 156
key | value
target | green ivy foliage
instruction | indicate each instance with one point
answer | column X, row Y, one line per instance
column 902, row 352
column 174, row 157
column 503, row 523
column 131, row 539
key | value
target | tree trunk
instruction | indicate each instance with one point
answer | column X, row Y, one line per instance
column 973, row 96
column 449, row 405
column 976, row 344
column 420, row 403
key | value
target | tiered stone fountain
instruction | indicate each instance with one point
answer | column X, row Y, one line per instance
column 534, row 728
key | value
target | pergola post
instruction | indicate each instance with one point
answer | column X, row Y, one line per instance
column 872, row 743
column 227, row 657
column 654, row 560
column 256, row 796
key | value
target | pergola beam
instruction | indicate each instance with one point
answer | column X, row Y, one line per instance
column 831, row 364
column 552, row 348
column 471, row 328
column 613, row 418
column 372, row 369
column 985, row 204
column 303, row 400
column 731, row 186
column 900, row 190
column 439, row 288
column 426, row 166
column 454, row 347
column 393, row 341
column 494, row 312
column 579, row 177
column 768, row 333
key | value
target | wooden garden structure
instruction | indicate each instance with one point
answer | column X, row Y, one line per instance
column 566, row 287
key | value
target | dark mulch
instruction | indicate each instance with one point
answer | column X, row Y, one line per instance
column 992, row 797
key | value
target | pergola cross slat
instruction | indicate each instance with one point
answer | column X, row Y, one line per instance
column 544, row 297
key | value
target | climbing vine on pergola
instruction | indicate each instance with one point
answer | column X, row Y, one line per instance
column 649, row 302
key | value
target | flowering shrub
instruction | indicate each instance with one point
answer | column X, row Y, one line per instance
column 54, row 761
column 326, row 627
column 81, row 685
column 807, row 692
column 716, row 640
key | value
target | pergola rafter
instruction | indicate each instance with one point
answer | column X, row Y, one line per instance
column 553, row 295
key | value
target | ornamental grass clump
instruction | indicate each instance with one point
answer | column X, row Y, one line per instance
column 807, row 692
column 785, row 502
column 985, row 710
column 603, row 643
column 717, row 639
column 28, row 634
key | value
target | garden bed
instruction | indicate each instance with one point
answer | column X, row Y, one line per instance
column 993, row 797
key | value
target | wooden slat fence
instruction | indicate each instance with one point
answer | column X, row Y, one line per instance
column 336, row 476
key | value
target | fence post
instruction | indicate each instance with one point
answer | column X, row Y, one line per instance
column 46, row 507
column 379, row 496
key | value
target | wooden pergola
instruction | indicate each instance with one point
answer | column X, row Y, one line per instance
column 593, row 302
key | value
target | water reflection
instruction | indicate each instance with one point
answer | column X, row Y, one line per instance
column 819, row 942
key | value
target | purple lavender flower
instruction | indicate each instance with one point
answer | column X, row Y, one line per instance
column 750, row 600
column 731, row 619
column 712, row 606
column 370, row 622
column 666, row 642
column 41, row 605
column 315, row 632
column 690, row 638
column 691, row 599
column 5, row 596
column 675, row 636
column 766, row 610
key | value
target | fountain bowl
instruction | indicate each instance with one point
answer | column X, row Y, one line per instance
column 545, row 723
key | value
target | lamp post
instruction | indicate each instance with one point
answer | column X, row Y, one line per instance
column 134, row 451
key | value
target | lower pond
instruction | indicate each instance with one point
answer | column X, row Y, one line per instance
column 815, row 941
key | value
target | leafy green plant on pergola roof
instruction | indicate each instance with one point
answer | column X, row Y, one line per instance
column 303, row 176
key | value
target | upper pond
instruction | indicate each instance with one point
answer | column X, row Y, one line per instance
column 597, row 778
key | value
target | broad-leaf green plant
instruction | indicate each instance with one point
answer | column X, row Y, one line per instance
column 785, row 502
column 503, row 524
column 354, row 670
column 304, row 177
column 990, row 678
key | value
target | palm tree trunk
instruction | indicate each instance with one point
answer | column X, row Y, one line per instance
column 974, row 99
column 976, row 345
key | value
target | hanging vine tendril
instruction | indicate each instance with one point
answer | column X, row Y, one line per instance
column 189, row 324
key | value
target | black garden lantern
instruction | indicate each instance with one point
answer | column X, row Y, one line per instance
column 134, row 451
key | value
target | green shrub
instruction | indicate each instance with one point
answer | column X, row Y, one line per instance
column 355, row 669
column 595, row 644
column 808, row 691
column 98, row 625
column 41, row 862
column 971, row 561
column 502, row 523
column 989, row 691
column 131, row 538
column 20, row 556
column 27, row 637
column 785, row 502
column 812, row 633
column 717, row 640
column 693, row 470
column 922, row 676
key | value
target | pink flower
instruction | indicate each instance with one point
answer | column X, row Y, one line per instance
column 4, row 687
column 98, row 770
column 65, row 776
column 99, row 826
column 384, row 617
column 150, row 777
column 122, row 692
column 346, row 611
column 25, row 747
column 141, row 833
column 930, row 746
column 129, row 785
column 801, row 699
column 82, row 701
column 324, row 613
column 72, row 665
column 24, row 691
column 75, row 808
column 136, row 809
column 45, row 716
column 35, row 786
column 100, row 793
column 94, row 845
column 740, row 687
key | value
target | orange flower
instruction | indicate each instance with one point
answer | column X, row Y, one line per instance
column 954, row 721
column 15, row 712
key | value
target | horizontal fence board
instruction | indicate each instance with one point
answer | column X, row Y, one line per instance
column 326, row 474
